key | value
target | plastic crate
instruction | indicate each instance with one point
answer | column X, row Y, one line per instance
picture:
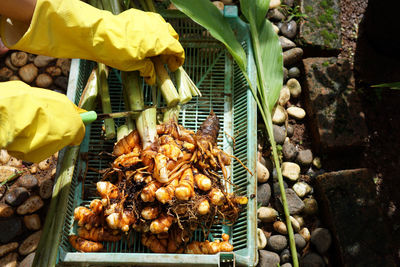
column 225, row 91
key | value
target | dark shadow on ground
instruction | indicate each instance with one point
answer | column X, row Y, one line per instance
column 377, row 60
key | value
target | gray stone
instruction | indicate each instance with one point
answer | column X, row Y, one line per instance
column 295, row 204
column 285, row 256
column 310, row 206
column 268, row 259
column 321, row 238
column 305, row 157
column 277, row 191
column 16, row 196
column 349, row 203
column 289, row 29
column 263, row 194
column 279, row 134
column 292, row 56
column 277, row 242
column 289, row 151
column 285, row 74
column 275, row 15
column 294, row 72
column 300, row 242
column 9, row 229
column 322, row 27
column 312, row 260
column 290, row 130
column 28, row 181
column 61, row 82
column 287, row 265
column 28, row 260
column 335, row 112
column 286, row 43
column 288, row 2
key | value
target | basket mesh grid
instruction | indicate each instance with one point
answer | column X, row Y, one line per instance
column 223, row 89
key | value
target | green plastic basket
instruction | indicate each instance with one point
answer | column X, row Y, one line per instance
column 225, row 91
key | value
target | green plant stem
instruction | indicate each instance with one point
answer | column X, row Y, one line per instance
column 46, row 253
column 12, row 177
column 266, row 110
column 165, row 84
column 146, row 125
column 105, row 101
column 150, row 6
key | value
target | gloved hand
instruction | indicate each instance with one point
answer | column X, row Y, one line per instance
column 74, row 29
column 36, row 123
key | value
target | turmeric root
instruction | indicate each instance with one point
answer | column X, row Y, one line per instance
column 84, row 245
column 127, row 160
column 148, row 193
column 185, row 189
column 171, row 151
column 98, row 235
column 161, row 224
column 107, row 190
column 160, row 168
column 202, row 181
column 150, row 213
column 153, row 243
column 216, row 197
column 167, row 193
column 121, row 220
column 86, row 216
column 96, row 206
column 208, row 247
column 204, row 207
column 127, row 144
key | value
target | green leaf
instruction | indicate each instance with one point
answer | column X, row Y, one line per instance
column 207, row 15
column 255, row 11
column 395, row 85
column 272, row 63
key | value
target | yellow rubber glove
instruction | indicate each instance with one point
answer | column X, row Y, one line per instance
column 74, row 29
column 35, row 123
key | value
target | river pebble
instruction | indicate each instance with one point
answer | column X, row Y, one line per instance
column 292, row 56
column 284, row 96
column 28, row 261
column 305, row 233
column 295, row 204
column 277, row 243
column 16, row 196
column 262, row 173
column 321, row 238
column 294, row 87
column 289, row 29
column 290, row 130
column 9, row 229
column 28, row 181
column 261, row 239
column 263, row 194
column 310, row 206
column 268, row 259
column 305, row 157
column 301, row 189
column 286, row 43
column 296, row 113
column 275, row 15
column 277, row 191
column 294, row 72
column 291, row 170
column 300, row 242
column 289, row 151
column 312, row 259
column 279, row 115
column 279, row 134
column 274, row 3
column 266, row 214
column 317, row 163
